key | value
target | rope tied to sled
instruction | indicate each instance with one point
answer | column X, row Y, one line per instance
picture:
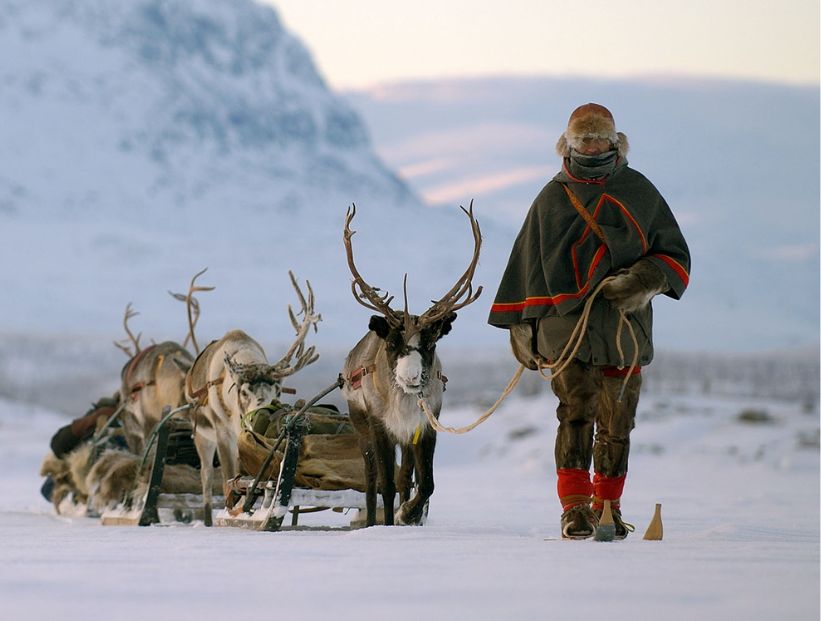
column 569, row 352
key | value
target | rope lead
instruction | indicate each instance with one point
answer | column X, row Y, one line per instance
column 565, row 358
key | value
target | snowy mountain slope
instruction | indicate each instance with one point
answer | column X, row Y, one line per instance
column 144, row 140
column 142, row 105
column 738, row 163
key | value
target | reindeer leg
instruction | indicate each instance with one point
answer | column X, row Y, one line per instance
column 370, row 483
column 132, row 430
column 205, row 449
column 229, row 458
column 385, row 463
column 362, row 428
column 413, row 511
column 403, row 479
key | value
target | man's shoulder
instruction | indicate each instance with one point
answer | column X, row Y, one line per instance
column 631, row 178
column 551, row 189
column 628, row 172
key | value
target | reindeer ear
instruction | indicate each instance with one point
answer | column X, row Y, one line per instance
column 379, row 325
column 446, row 324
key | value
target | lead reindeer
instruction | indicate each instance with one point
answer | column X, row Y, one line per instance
column 231, row 377
column 387, row 372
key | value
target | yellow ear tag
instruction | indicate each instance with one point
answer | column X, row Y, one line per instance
column 417, row 433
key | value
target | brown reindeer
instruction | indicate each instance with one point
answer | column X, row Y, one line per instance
column 386, row 373
column 152, row 379
column 232, row 377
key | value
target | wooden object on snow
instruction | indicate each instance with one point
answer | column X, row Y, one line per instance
column 606, row 528
column 655, row 530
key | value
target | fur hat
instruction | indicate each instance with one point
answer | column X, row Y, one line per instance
column 590, row 121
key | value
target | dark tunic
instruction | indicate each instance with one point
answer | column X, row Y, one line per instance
column 557, row 260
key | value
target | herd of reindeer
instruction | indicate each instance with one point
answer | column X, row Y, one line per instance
column 383, row 378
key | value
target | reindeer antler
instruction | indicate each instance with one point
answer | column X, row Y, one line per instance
column 462, row 292
column 193, row 308
column 303, row 356
column 123, row 344
column 366, row 295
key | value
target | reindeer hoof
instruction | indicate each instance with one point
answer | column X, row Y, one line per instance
column 411, row 514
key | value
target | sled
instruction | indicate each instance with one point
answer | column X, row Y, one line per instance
column 153, row 506
column 305, row 460
column 308, row 461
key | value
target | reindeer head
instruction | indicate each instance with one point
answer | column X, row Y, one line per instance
column 411, row 348
column 257, row 384
column 410, row 340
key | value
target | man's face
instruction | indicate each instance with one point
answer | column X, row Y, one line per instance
column 593, row 146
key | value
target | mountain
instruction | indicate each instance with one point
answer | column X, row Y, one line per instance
column 143, row 140
column 738, row 162
column 160, row 103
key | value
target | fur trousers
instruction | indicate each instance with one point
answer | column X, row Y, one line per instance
column 593, row 424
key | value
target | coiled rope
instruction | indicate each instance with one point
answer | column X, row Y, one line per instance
column 569, row 352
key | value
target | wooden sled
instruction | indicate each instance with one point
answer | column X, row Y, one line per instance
column 155, row 507
column 309, row 461
column 313, row 472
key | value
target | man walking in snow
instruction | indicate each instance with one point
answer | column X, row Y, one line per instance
column 597, row 218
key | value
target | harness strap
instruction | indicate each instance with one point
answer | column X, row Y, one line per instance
column 136, row 388
column 197, row 394
column 128, row 370
column 584, row 214
column 356, row 377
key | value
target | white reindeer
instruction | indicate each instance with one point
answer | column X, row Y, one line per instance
column 231, row 377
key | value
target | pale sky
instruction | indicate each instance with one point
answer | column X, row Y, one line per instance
column 358, row 43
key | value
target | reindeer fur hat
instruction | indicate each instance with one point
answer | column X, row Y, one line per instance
column 590, row 121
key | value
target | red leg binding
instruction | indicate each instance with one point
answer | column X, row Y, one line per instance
column 607, row 488
column 574, row 487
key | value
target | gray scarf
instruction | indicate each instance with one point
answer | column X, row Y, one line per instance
column 592, row 166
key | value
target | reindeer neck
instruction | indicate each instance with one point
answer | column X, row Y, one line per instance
column 382, row 372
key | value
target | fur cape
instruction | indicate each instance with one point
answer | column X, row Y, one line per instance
column 557, row 260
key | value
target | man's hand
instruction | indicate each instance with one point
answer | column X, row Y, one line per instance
column 521, row 342
column 634, row 287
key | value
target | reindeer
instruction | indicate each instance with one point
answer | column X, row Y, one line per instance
column 386, row 373
column 152, row 378
column 231, row 377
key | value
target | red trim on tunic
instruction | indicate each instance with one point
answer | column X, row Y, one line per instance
column 629, row 217
column 675, row 266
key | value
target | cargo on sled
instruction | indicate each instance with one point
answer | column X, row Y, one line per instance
column 293, row 459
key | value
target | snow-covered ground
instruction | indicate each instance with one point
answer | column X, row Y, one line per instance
column 741, row 532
